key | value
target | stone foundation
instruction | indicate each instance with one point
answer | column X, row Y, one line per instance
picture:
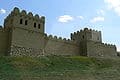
column 22, row 51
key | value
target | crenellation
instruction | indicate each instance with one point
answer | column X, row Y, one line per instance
column 75, row 33
column 90, row 29
column 26, row 36
column 85, row 29
column 78, row 32
column 37, row 16
column 42, row 18
column 45, row 35
column 60, row 38
column 81, row 30
column 55, row 37
column 64, row 39
column 50, row 36
column 30, row 14
column 107, row 45
column 68, row 39
column 15, row 11
column 23, row 13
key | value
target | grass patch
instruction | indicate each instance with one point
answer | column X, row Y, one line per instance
column 58, row 68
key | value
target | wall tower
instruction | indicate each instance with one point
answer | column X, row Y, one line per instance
column 21, row 19
column 26, row 31
column 83, row 36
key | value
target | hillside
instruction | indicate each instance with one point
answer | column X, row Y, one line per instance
column 58, row 68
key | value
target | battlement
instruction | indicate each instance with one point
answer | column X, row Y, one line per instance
column 25, row 20
column 108, row 45
column 59, row 39
column 16, row 11
column 23, row 34
column 87, row 34
column 104, row 44
column 85, row 30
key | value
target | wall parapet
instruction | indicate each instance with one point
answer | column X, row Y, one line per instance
column 108, row 45
column 104, row 44
column 59, row 39
column 16, row 11
column 84, row 30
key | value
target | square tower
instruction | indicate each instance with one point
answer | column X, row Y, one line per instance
column 83, row 36
column 24, row 20
column 87, row 35
column 26, row 32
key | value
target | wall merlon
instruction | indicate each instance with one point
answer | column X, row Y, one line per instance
column 24, row 32
column 60, row 38
column 71, row 34
column 37, row 16
column 45, row 35
column 64, row 39
column 75, row 33
column 23, row 13
column 78, row 32
column 108, row 45
column 85, row 29
column 81, row 30
column 30, row 14
column 68, row 39
column 16, row 11
column 55, row 37
column 50, row 36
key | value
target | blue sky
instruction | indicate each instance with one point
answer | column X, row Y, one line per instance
column 66, row 16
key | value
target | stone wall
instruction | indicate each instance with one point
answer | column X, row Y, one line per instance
column 25, row 20
column 4, row 41
column 35, row 43
column 95, row 49
column 27, row 38
column 59, row 46
column 23, row 51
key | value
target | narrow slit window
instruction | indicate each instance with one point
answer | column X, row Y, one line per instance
column 26, row 22
column 38, row 26
column 34, row 25
column 83, row 36
column 21, row 21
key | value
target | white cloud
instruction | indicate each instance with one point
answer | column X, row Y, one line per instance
column 101, row 12
column 118, row 48
column 113, row 5
column 97, row 19
column 2, row 11
column 80, row 17
column 65, row 18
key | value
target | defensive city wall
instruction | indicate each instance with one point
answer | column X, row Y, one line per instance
column 23, row 35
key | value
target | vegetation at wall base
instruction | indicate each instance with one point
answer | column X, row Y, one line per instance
column 59, row 68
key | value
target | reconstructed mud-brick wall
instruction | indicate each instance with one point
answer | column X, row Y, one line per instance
column 23, row 35
column 59, row 46
column 26, row 42
column 31, row 43
column 24, row 51
column 4, row 41
column 96, row 49
column 28, row 37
